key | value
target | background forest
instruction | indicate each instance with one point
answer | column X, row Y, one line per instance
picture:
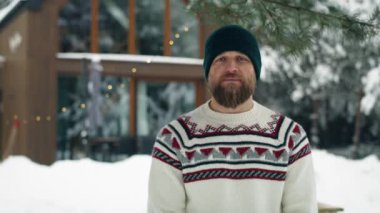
column 322, row 77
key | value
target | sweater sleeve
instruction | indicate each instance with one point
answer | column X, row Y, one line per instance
column 299, row 194
column 166, row 191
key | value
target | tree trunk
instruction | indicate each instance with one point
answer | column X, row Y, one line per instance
column 358, row 116
column 314, row 121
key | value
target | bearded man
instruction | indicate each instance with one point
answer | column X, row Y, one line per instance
column 232, row 154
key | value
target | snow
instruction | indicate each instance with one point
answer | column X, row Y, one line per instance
column 82, row 186
column 371, row 84
column 362, row 8
column 132, row 58
column 322, row 76
column 269, row 59
column 351, row 184
column 7, row 9
column 74, row 186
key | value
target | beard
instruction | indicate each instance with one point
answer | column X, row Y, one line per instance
column 231, row 96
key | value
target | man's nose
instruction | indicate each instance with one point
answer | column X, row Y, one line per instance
column 231, row 66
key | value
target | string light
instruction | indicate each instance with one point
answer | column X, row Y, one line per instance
column 83, row 105
column 134, row 70
column 83, row 133
column 36, row 118
column 64, row 109
column 186, row 28
column 171, row 42
column 177, row 35
column 109, row 87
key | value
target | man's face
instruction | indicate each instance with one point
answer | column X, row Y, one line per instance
column 232, row 78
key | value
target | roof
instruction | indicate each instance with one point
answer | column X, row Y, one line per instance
column 141, row 67
column 8, row 9
column 131, row 58
column 11, row 8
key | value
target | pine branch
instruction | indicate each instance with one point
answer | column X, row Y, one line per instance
column 284, row 25
column 341, row 18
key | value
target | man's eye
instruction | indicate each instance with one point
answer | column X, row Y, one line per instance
column 221, row 59
column 242, row 59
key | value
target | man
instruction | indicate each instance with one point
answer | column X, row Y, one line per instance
column 232, row 154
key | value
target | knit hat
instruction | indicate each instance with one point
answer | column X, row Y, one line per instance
column 231, row 38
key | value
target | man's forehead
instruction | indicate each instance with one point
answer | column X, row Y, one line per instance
column 232, row 53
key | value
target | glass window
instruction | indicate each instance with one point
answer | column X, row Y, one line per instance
column 91, row 107
column 159, row 103
column 113, row 22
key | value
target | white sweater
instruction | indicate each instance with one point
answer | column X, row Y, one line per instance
column 257, row 161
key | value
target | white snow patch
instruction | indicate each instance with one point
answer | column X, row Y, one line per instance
column 371, row 84
column 322, row 76
column 82, row 186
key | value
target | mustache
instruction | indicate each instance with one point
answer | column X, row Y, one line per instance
column 231, row 75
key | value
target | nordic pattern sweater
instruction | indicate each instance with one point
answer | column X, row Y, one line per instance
column 208, row 162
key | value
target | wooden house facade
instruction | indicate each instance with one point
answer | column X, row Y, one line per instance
column 31, row 64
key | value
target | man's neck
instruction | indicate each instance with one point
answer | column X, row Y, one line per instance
column 243, row 107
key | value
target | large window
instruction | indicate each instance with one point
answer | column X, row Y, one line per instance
column 159, row 103
column 91, row 106
column 113, row 22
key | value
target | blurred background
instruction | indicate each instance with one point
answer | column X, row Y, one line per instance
column 98, row 79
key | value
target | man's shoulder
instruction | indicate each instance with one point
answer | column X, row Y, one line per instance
column 190, row 114
column 287, row 122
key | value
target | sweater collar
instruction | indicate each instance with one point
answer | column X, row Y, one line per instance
column 230, row 117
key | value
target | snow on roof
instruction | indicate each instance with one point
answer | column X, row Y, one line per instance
column 11, row 5
column 131, row 58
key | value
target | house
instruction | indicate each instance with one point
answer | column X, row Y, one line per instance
column 31, row 65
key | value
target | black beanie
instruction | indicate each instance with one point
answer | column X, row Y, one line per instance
column 231, row 38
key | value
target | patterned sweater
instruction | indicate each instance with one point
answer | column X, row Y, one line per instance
column 256, row 161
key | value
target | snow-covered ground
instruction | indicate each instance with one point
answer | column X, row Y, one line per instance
column 86, row 186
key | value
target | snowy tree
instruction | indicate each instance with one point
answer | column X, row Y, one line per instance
column 331, row 78
column 320, row 51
